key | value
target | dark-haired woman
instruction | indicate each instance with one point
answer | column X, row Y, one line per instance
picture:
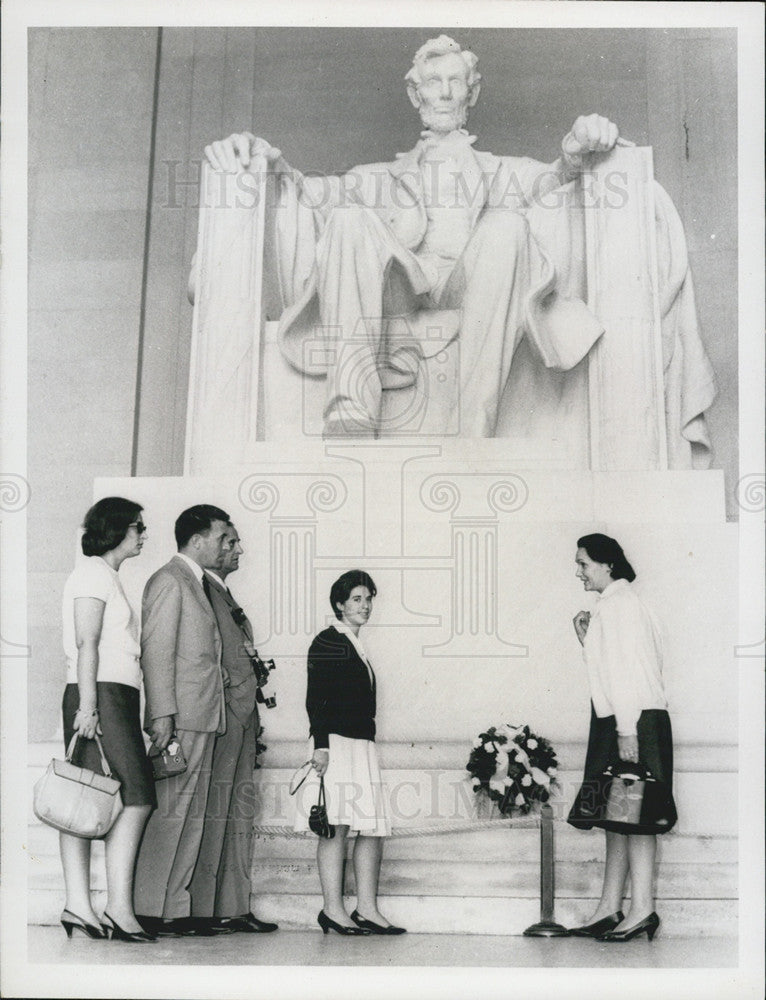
column 102, row 697
column 629, row 723
column 340, row 701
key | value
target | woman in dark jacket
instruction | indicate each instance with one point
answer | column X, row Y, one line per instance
column 340, row 701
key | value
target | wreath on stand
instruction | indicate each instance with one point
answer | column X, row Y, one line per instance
column 513, row 767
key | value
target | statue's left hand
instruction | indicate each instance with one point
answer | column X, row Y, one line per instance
column 237, row 152
column 590, row 134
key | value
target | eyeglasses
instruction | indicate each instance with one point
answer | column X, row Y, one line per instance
column 139, row 526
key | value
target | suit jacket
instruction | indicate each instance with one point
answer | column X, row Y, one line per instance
column 340, row 698
column 181, row 651
column 239, row 693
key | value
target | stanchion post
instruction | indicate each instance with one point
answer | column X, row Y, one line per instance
column 547, row 927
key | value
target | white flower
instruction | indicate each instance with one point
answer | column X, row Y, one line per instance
column 532, row 744
column 476, row 743
column 507, row 782
column 526, row 780
column 520, row 800
column 540, row 777
column 522, row 757
column 490, row 748
column 475, row 783
column 497, row 785
column 552, row 772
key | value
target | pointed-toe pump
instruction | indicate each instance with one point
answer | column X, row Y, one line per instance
column 598, row 927
column 331, row 925
column 71, row 922
column 649, row 926
column 116, row 933
column 374, row 928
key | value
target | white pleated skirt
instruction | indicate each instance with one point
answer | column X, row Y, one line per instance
column 354, row 790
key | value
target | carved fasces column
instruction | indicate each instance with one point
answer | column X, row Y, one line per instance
column 222, row 413
column 626, row 388
column 474, row 502
column 293, row 502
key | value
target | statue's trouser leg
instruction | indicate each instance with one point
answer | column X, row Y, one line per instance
column 489, row 284
column 355, row 255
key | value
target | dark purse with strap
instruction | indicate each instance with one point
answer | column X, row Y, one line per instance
column 168, row 762
column 318, row 821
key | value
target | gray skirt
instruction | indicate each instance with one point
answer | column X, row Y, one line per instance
column 123, row 743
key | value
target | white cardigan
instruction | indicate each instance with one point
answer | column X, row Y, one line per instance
column 623, row 657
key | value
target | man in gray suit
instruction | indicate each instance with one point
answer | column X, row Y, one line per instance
column 220, row 887
column 184, row 684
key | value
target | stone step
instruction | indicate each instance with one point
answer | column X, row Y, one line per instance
column 451, row 914
column 570, row 845
column 401, row 877
column 508, row 879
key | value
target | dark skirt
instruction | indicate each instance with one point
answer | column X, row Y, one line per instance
column 123, row 743
column 655, row 752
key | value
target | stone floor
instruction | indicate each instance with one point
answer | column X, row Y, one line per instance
column 301, row 948
column 306, row 965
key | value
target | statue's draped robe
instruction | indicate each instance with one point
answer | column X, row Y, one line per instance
column 559, row 328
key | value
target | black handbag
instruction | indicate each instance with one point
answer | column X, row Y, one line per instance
column 318, row 822
column 635, row 801
column 167, row 762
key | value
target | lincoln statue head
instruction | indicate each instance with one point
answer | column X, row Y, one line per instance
column 443, row 83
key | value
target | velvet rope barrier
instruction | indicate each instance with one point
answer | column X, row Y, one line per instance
column 546, row 926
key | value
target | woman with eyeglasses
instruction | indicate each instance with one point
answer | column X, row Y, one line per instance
column 102, row 649
column 340, row 701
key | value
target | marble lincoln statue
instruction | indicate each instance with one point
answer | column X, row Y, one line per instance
column 443, row 227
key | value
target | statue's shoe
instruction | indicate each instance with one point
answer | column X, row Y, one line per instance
column 346, row 420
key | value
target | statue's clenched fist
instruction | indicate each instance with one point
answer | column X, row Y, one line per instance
column 238, row 151
column 590, row 134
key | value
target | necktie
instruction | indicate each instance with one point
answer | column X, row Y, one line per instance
column 206, row 587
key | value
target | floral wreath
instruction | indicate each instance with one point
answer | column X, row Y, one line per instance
column 514, row 767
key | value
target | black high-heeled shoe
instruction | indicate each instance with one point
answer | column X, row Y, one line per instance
column 374, row 928
column 116, row 933
column 327, row 925
column 649, row 925
column 71, row 922
column 598, row 927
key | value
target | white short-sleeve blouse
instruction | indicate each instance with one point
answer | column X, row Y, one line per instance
column 119, row 648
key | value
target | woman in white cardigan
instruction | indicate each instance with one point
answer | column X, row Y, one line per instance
column 629, row 724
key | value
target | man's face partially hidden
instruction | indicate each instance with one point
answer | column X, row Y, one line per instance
column 209, row 550
column 443, row 96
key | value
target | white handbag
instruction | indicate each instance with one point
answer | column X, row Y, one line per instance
column 76, row 800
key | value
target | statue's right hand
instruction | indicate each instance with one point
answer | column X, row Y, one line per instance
column 236, row 153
